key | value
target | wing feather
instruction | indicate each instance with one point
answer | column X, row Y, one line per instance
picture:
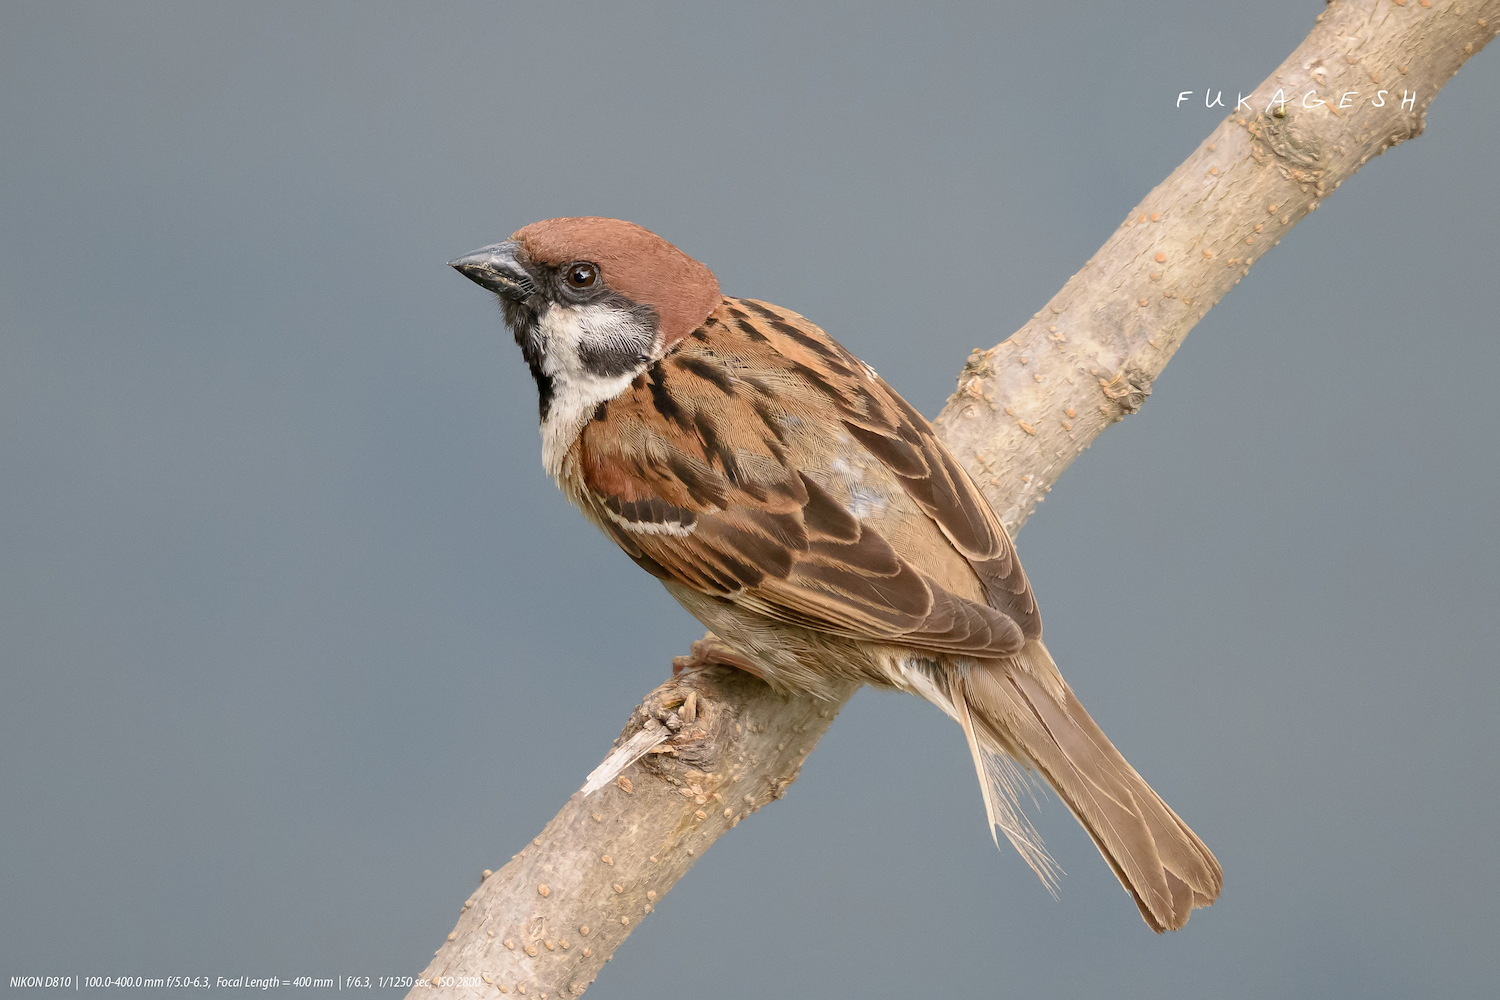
column 719, row 473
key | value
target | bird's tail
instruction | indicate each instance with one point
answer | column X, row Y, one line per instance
column 1019, row 710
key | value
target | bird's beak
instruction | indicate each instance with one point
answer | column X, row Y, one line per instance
column 497, row 269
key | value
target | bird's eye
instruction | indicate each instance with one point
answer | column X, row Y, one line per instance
column 582, row 274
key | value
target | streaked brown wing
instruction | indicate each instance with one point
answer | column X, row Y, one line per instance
column 903, row 440
column 715, row 475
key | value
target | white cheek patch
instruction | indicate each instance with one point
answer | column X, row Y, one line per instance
column 592, row 353
column 576, row 337
column 613, row 341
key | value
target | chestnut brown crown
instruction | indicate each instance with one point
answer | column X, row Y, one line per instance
column 633, row 261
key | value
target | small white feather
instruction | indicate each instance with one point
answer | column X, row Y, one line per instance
column 1002, row 782
column 622, row 756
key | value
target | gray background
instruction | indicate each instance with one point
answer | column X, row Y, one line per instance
column 297, row 637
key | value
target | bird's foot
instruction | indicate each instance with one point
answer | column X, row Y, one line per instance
column 711, row 651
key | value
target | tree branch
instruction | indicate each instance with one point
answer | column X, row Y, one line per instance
column 1024, row 410
column 545, row 923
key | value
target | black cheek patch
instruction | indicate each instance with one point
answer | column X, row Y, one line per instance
column 625, row 348
column 614, row 357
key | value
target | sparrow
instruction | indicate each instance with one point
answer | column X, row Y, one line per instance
column 812, row 520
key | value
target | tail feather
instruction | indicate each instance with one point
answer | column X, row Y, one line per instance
column 1020, row 709
column 1001, row 782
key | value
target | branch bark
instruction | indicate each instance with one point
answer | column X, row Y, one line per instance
column 544, row 924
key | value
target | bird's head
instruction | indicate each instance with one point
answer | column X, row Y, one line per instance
column 592, row 302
